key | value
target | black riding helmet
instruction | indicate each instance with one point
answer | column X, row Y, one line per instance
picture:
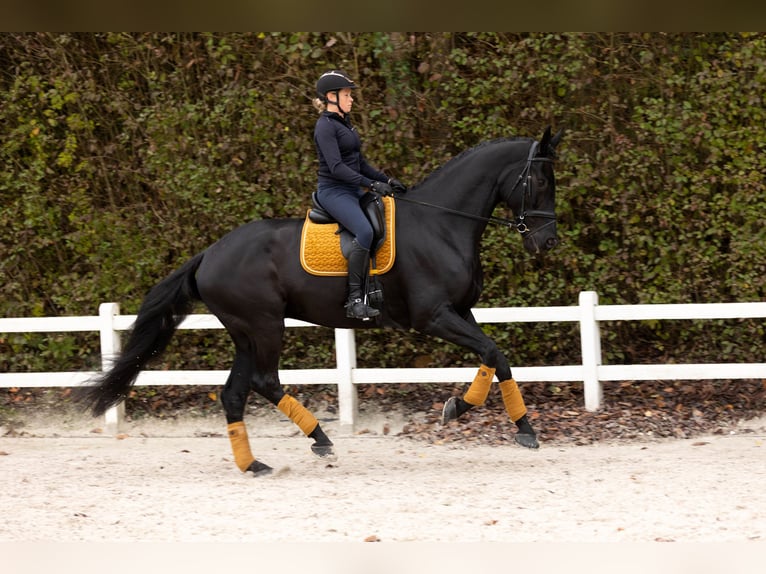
column 333, row 81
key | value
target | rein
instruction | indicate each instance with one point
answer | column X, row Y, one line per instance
column 519, row 223
column 490, row 219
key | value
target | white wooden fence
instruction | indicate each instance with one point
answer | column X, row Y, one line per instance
column 588, row 313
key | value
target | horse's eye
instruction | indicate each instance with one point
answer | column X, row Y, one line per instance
column 541, row 182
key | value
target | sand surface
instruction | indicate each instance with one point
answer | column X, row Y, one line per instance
column 175, row 481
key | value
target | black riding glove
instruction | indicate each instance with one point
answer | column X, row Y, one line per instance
column 381, row 188
column 397, row 185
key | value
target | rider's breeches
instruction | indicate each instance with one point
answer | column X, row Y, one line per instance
column 343, row 204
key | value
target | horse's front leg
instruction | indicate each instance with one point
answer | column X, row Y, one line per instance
column 466, row 332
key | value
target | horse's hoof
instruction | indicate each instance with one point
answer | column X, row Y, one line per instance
column 324, row 452
column 259, row 469
column 526, row 440
column 449, row 412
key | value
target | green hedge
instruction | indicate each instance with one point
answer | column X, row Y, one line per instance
column 123, row 154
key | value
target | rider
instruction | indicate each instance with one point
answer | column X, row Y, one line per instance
column 344, row 177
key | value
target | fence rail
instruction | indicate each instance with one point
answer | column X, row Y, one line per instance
column 588, row 313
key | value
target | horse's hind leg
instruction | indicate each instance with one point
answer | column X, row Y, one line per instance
column 270, row 388
column 234, row 398
column 265, row 381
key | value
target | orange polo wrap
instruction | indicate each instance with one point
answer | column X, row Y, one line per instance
column 240, row 445
column 479, row 389
column 298, row 414
column 514, row 404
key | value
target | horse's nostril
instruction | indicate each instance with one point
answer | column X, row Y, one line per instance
column 551, row 242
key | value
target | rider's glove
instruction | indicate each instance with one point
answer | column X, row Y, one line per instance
column 381, row 188
column 397, row 185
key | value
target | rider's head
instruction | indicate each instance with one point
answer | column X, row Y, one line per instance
column 334, row 89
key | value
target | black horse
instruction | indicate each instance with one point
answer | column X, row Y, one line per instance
column 252, row 279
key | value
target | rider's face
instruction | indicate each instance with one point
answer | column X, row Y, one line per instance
column 345, row 100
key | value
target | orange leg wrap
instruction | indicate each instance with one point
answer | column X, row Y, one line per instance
column 240, row 445
column 479, row 389
column 514, row 404
column 299, row 414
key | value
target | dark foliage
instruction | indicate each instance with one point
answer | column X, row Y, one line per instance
column 123, row 154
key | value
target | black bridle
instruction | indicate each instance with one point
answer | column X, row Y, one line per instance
column 526, row 192
column 520, row 222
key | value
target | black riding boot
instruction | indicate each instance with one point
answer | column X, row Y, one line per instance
column 358, row 267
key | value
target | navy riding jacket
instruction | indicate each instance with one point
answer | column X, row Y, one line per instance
column 340, row 153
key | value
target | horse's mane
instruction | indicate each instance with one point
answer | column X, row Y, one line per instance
column 465, row 153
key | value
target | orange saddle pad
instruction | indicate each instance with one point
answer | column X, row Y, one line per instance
column 321, row 253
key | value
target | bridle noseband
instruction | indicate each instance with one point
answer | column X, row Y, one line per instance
column 520, row 222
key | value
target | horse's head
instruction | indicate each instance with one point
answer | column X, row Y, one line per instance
column 533, row 195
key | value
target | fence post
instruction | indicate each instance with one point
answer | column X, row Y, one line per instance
column 590, row 344
column 110, row 348
column 348, row 399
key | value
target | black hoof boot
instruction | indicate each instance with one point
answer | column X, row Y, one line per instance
column 526, row 440
column 324, row 452
column 259, row 469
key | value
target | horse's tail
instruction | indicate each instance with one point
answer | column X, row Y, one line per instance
column 163, row 309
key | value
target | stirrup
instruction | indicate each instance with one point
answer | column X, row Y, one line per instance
column 357, row 309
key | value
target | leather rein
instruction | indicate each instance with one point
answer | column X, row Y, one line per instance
column 519, row 223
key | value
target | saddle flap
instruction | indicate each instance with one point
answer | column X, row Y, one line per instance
column 373, row 208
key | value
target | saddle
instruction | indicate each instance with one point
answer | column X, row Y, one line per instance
column 325, row 244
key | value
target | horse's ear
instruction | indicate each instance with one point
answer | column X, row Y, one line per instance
column 557, row 138
column 545, row 140
column 548, row 143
